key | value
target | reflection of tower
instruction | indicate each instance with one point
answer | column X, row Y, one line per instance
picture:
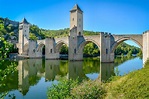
column 32, row 67
column 23, row 77
column 23, row 37
column 75, row 70
column 26, row 70
column 106, row 71
column 51, row 69
column 38, row 64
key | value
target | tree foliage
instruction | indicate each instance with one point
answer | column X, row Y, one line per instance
column 126, row 49
column 91, row 49
column 64, row 49
column 5, row 48
column 7, row 29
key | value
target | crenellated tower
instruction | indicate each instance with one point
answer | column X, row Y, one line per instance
column 76, row 19
column 76, row 33
column 23, row 37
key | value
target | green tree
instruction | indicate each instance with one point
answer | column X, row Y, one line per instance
column 32, row 36
column 124, row 48
column 64, row 49
column 91, row 49
column 5, row 48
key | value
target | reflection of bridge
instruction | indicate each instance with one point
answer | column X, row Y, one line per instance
column 31, row 70
column 106, row 42
column 34, row 68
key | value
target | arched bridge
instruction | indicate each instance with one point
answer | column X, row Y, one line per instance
column 106, row 43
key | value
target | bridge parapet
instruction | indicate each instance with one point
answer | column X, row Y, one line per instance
column 131, row 37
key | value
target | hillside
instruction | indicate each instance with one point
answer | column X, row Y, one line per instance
column 39, row 33
column 9, row 29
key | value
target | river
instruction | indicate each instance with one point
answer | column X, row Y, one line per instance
column 35, row 76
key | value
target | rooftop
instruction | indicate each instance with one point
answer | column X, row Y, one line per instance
column 24, row 21
column 76, row 7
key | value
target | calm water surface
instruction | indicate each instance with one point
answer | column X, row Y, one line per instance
column 35, row 76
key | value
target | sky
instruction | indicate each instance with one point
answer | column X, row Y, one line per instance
column 113, row 16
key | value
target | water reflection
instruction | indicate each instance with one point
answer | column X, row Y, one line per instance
column 76, row 70
column 52, row 68
column 38, row 72
column 27, row 73
column 106, row 71
column 30, row 71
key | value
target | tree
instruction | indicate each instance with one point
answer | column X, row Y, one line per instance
column 32, row 36
column 125, row 48
column 64, row 49
column 5, row 48
column 91, row 49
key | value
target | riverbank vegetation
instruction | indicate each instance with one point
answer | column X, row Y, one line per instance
column 134, row 85
column 74, row 89
column 5, row 68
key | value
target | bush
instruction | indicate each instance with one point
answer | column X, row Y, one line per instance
column 89, row 90
column 62, row 89
column 74, row 89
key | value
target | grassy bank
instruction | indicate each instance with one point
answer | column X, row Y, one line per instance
column 134, row 85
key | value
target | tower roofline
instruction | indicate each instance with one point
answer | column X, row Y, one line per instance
column 76, row 7
column 24, row 21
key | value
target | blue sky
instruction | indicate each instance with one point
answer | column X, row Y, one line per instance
column 114, row 16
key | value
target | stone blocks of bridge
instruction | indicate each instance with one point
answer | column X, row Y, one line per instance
column 33, row 52
column 106, row 54
column 50, row 50
column 145, row 46
column 32, row 49
column 74, row 39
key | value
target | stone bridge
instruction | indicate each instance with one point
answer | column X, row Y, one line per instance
column 76, row 41
column 106, row 43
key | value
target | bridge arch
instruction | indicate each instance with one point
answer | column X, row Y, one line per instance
column 86, row 41
column 59, row 44
column 40, row 47
column 117, row 42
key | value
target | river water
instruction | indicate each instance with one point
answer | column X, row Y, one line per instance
column 35, row 76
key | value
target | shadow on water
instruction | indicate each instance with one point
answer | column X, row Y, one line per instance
column 37, row 74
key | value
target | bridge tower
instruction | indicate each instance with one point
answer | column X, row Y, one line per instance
column 76, row 31
column 106, row 55
column 50, row 49
column 23, row 37
column 76, row 19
